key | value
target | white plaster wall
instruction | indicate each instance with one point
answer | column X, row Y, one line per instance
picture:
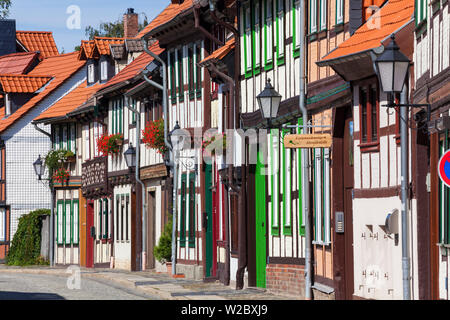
column 122, row 248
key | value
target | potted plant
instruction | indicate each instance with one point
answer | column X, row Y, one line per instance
column 69, row 157
column 153, row 136
column 163, row 251
column 110, row 144
column 61, row 176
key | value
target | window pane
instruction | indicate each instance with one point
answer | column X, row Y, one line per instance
column 373, row 104
column 68, row 221
column 75, row 222
column 363, row 105
column 2, row 224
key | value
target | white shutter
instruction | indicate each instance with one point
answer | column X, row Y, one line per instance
column 2, row 224
column 60, row 223
column 91, row 73
column 287, row 182
column 75, row 222
column 297, row 23
column 275, row 173
column 68, row 222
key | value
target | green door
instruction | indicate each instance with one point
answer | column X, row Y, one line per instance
column 209, row 224
column 260, row 221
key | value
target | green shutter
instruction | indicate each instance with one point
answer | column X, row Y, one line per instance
column 279, row 25
column 183, row 211
column 275, row 191
column 77, row 225
column 287, row 189
column 192, row 210
column 268, row 64
column 105, row 213
column 301, row 226
column 296, row 51
column 255, row 37
column 247, row 46
column 121, row 115
column 60, row 216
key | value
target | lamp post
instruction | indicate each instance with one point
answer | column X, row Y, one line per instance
column 392, row 68
column 174, row 141
column 269, row 102
column 39, row 169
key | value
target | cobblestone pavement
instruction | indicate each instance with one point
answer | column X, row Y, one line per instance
column 116, row 284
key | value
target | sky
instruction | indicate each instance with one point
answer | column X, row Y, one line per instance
column 61, row 16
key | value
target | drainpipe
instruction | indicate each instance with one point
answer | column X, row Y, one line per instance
column 163, row 87
column 305, row 159
column 52, row 201
column 144, row 202
column 233, row 122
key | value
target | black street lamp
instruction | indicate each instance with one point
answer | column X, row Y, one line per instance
column 39, row 167
column 177, row 137
column 269, row 102
column 130, row 156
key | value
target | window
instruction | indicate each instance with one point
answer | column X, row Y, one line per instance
column 296, row 27
column 8, row 109
column 420, row 11
column 192, row 210
column 301, row 213
column 275, row 190
column 117, row 116
column 122, row 223
column 106, row 220
column 64, row 137
column 286, row 182
column 104, row 70
column 87, row 149
column 280, row 32
column 322, row 196
column 183, row 212
column 312, row 16
column 191, row 75
column 368, row 102
column 2, row 224
column 198, row 72
column 98, row 132
column 248, row 41
column 131, row 114
column 339, row 11
column 180, row 75
column 268, row 35
column 67, row 216
column 91, row 73
column 323, row 15
column 173, row 79
column 256, row 38
column 100, row 226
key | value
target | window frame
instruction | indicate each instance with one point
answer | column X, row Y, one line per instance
column 191, row 211
column 268, row 36
column 322, row 196
column 370, row 144
column 104, row 70
column 275, row 187
column 256, row 37
column 339, row 20
column 323, row 14
column 180, row 64
column 313, row 13
column 295, row 27
column 281, row 28
column 247, row 34
column 3, row 231
column 286, row 186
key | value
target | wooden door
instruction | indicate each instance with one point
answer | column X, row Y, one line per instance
column 90, row 234
column 151, row 213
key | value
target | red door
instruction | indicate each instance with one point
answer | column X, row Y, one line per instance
column 90, row 236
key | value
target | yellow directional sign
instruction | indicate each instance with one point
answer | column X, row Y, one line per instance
column 299, row 141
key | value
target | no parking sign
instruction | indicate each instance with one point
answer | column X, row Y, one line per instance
column 444, row 168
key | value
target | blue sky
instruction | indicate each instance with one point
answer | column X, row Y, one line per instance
column 50, row 15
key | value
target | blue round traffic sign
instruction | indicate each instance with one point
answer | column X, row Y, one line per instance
column 444, row 168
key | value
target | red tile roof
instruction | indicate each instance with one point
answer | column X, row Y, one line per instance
column 41, row 41
column 135, row 67
column 70, row 102
column 60, row 68
column 393, row 15
column 16, row 63
column 220, row 53
column 168, row 14
column 102, row 44
column 87, row 49
column 15, row 83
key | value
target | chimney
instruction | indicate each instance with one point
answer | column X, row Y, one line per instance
column 7, row 36
column 130, row 24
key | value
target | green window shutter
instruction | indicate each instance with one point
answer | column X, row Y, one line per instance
column 183, row 211
column 192, row 210
column 180, row 76
column 287, row 190
column 60, row 221
column 268, row 35
column 296, row 28
column 173, row 81
column 275, row 191
column 190, row 74
column 76, row 221
column 247, row 35
column 256, row 36
column 280, row 31
column 301, row 213
column 105, row 213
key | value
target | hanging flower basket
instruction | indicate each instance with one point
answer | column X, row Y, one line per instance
column 110, row 144
column 69, row 157
column 61, row 176
column 153, row 136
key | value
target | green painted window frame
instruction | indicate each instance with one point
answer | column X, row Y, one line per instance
column 275, row 188
column 180, row 74
column 247, row 47
column 192, row 215
column 77, row 226
column 320, row 28
column 313, row 29
column 133, row 115
column 280, row 56
column 342, row 2
column 183, row 211
column 301, row 225
column 268, row 63
column 60, row 215
column 256, row 37
column 421, row 15
column 295, row 21
column 287, row 188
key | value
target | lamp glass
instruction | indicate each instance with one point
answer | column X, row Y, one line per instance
column 386, row 70
column 39, row 168
column 130, row 156
column 269, row 102
column 400, row 71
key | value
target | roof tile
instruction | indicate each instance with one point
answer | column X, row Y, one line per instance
column 102, row 44
column 14, row 83
column 17, row 63
column 41, row 41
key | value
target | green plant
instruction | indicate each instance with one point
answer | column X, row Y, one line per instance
column 69, row 154
column 54, row 159
column 109, row 144
column 163, row 251
column 26, row 244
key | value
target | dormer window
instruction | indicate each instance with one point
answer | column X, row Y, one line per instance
column 104, row 71
column 7, row 105
column 91, row 73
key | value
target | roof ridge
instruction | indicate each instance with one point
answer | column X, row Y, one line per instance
column 25, row 31
column 18, row 54
column 24, row 75
column 108, row 38
column 61, row 55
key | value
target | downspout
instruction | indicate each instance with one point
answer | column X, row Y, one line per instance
column 163, row 87
column 138, row 180
column 305, row 159
column 233, row 122
column 52, row 201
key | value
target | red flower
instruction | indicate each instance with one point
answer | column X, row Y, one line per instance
column 107, row 144
column 153, row 136
column 61, row 176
